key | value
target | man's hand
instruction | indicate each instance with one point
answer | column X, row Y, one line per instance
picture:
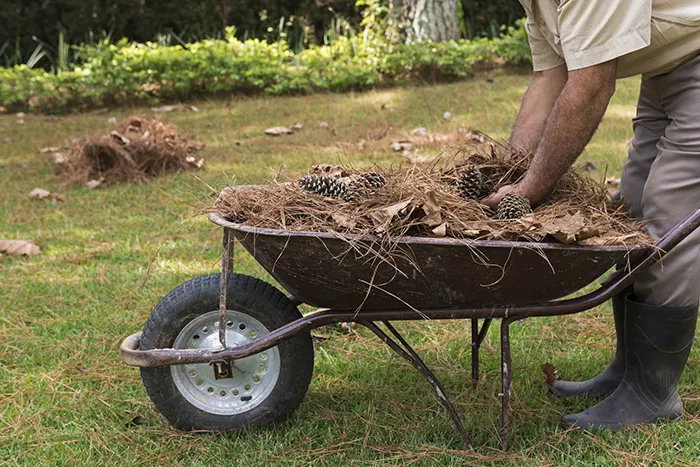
column 495, row 198
column 570, row 126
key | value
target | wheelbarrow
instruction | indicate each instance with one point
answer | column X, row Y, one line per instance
column 229, row 351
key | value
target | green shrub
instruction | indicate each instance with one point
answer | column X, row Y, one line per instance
column 127, row 73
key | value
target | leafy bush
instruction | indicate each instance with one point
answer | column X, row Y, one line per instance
column 26, row 23
column 127, row 73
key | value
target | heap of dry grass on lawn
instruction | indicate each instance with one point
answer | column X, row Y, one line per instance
column 423, row 201
column 137, row 150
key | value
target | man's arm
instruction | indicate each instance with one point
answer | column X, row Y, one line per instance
column 537, row 105
column 570, row 126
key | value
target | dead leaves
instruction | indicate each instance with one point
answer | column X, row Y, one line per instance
column 432, row 210
column 40, row 193
column 284, row 130
column 170, row 108
column 19, row 247
column 383, row 217
column 550, row 374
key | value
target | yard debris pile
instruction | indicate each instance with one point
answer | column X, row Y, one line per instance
column 426, row 201
column 138, row 150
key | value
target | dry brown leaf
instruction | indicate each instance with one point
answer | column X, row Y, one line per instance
column 550, row 373
column 432, row 209
column 123, row 139
column 399, row 146
column 416, row 157
column 40, row 193
column 194, row 161
column 568, row 228
column 279, row 130
column 52, row 149
column 19, row 247
column 343, row 220
column 440, row 230
column 92, row 184
column 59, row 158
column 383, row 217
column 612, row 182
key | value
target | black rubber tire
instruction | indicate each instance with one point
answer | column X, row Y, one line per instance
column 247, row 295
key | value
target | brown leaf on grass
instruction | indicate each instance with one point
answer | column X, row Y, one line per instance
column 194, row 161
column 40, row 193
column 589, row 166
column 49, row 149
column 416, row 157
column 170, row 108
column 612, row 182
column 279, row 130
column 432, row 209
column 550, row 373
column 92, row 184
column 19, row 247
column 59, row 158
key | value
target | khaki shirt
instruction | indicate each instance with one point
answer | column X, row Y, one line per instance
column 650, row 37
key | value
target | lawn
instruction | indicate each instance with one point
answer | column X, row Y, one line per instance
column 109, row 255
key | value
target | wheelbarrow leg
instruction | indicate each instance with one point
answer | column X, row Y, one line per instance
column 506, row 378
column 406, row 351
column 477, row 338
column 226, row 269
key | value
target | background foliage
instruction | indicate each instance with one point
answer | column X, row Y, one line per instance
column 128, row 73
column 24, row 24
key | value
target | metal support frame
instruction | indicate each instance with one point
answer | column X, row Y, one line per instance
column 226, row 269
column 406, row 351
column 477, row 339
column 615, row 283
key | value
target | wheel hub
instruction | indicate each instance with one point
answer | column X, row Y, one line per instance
column 226, row 388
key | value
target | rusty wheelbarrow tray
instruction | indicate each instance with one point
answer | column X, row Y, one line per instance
column 428, row 279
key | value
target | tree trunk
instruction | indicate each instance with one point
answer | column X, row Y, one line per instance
column 430, row 20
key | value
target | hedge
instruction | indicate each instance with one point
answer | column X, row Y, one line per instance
column 144, row 20
column 135, row 73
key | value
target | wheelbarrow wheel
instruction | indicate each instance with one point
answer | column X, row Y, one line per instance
column 263, row 389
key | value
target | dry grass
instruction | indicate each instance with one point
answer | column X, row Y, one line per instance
column 423, row 201
column 137, row 150
column 66, row 399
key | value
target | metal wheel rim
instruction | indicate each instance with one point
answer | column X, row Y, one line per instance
column 253, row 379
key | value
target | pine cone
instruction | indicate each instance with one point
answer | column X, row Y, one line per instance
column 513, row 206
column 373, row 180
column 323, row 185
column 471, row 182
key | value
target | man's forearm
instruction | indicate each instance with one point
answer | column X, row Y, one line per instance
column 570, row 126
column 537, row 105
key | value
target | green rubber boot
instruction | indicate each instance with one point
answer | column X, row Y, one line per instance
column 657, row 345
column 609, row 379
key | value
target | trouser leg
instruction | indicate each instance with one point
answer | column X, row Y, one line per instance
column 649, row 126
column 672, row 190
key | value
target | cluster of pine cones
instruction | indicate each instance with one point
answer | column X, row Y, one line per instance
column 348, row 188
column 472, row 185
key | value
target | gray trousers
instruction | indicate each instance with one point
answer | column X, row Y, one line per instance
column 661, row 180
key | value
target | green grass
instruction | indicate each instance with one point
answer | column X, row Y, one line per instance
column 110, row 254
